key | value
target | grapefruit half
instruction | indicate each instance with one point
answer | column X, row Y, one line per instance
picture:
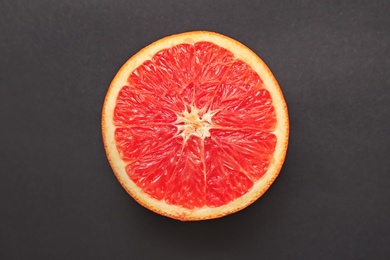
column 195, row 126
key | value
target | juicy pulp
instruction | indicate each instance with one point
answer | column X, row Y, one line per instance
column 194, row 126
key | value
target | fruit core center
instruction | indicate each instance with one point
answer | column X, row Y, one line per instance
column 193, row 121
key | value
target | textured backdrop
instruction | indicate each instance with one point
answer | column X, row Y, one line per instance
column 59, row 198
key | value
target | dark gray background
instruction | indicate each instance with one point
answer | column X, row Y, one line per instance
column 59, row 198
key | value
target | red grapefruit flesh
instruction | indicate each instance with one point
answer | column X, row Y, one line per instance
column 195, row 126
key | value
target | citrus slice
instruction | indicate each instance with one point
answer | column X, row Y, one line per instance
column 195, row 126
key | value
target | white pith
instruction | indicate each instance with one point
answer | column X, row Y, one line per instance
column 194, row 121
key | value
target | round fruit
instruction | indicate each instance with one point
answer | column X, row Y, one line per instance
column 195, row 126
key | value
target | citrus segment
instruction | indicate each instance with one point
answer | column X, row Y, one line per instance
column 225, row 178
column 195, row 129
column 186, row 186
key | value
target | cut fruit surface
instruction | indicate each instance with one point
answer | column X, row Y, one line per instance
column 195, row 126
